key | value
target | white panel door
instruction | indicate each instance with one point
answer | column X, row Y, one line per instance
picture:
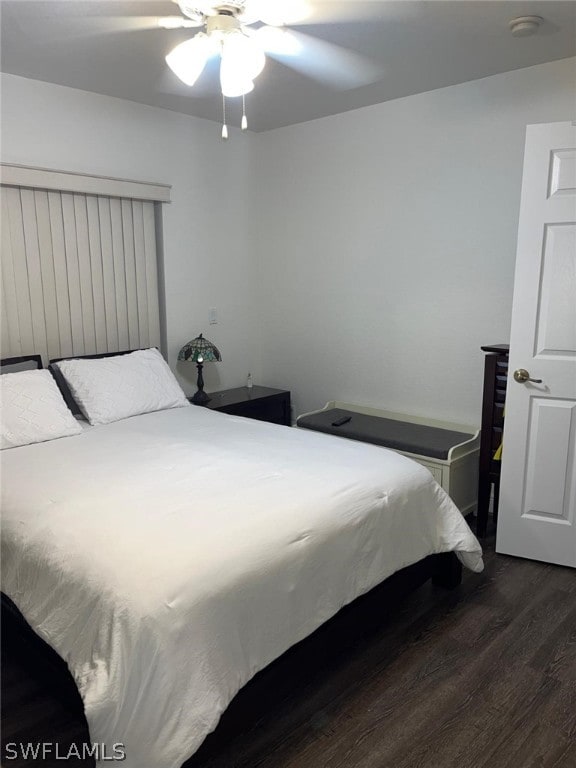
column 538, row 484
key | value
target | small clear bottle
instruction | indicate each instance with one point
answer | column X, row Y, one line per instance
column 249, row 383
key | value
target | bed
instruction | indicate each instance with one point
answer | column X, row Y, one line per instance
column 170, row 556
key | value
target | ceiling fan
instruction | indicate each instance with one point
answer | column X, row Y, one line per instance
column 243, row 32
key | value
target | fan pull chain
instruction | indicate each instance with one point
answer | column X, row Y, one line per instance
column 224, row 126
column 244, row 124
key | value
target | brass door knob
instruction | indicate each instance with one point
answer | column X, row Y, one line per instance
column 522, row 376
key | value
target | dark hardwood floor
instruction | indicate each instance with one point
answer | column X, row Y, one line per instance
column 482, row 677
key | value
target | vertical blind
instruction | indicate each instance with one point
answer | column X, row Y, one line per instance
column 79, row 273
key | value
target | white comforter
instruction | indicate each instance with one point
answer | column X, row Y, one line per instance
column 171, row 556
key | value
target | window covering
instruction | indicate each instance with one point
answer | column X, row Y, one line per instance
column 79, row 272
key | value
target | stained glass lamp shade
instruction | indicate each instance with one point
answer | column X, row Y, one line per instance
column 200, row 351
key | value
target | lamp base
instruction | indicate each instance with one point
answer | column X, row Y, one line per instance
column 200, row 398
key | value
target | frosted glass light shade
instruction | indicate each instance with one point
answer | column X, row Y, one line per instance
column 244, row 54
column 232, row 82
column 189, row 58
column 242, row 60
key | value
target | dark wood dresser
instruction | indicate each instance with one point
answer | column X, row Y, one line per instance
column 495, row 378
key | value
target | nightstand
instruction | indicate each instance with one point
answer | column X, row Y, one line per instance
column 261, row 403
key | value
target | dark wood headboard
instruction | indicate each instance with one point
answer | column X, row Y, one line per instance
column 8, row 361
column 98, row 356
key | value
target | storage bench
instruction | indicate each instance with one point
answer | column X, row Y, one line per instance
column 449, row 451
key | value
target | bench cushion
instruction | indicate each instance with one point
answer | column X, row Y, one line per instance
column 419, row 439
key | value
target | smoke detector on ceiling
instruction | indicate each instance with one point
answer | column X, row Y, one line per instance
column 525, row 26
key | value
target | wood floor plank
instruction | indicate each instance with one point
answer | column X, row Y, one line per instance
column 540, row 747
column 567, row 759
column 557, row 655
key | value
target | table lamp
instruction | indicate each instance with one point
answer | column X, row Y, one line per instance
column 200, row 351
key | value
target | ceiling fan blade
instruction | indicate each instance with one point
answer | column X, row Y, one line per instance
column 342, row 11
column 95, row 8
column 111, row 24
column 337, row 67
column 278, row 12
column 177, row 22
column 296, row 12
column 87, row 18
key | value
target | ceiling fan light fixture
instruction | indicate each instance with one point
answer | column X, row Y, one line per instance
column 188, row 59
column 243, row 54
column 233, row 83
column 242, row 48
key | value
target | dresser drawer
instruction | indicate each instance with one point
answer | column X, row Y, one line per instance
column 498, row 419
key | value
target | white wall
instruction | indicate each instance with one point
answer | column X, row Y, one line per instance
column 365, row 256
column 386, row 242
column 209, row 258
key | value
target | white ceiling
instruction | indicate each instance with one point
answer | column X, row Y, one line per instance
column 116, row 48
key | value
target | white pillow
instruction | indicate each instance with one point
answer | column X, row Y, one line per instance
column 112, row 388
column 33, row 410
